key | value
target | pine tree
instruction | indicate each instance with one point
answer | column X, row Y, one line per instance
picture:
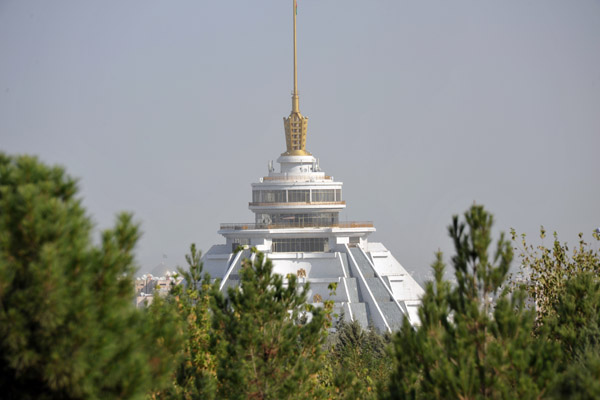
column 269, row 351
column 194, row 376
column 357, row 361
column 475, row 340
column 68, row 326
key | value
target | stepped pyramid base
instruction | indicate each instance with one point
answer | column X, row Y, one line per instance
column 372, row 287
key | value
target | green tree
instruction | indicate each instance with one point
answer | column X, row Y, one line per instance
column 574, row 323
column 195, row 375
column 563, row 284
column 68, row 326
column 269, row 349
column 357, row 361
column 544, row 270
column 474, row 339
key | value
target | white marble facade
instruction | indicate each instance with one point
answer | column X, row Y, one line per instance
column 297, row 226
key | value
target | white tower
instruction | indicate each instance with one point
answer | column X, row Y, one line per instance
column 297, row 225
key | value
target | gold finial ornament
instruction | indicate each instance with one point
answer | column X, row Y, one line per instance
column 296, row 124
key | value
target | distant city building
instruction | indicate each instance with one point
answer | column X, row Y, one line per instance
column 147, row 286
column 296, row 223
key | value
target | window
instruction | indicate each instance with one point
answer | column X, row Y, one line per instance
column 323, row 195
column 298, row 196
column 299, row 220
column 239, row 242
column 268, row 196
column 299, row 245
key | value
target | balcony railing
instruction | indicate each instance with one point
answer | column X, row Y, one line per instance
column 293, row 177
column 297, row 203
column 245, row 226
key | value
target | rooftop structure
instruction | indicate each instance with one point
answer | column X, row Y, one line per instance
column 296, row 223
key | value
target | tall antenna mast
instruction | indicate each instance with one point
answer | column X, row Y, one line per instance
column 295, row 106
column 296, row 124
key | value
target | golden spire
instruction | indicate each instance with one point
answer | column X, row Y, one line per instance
column 296, row 124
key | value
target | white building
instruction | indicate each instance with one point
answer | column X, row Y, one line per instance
column 147, row 286
column 297, row 225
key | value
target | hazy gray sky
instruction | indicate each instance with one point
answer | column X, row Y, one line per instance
column 170, row 109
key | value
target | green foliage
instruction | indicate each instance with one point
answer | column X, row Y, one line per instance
column 564, row 286
column 195, row 375
column 580, row 380
column 357, row 361
column 575, row 324
column 69, row 329
column 165, row 328
column 475, row 339
column 546, row 269
column 68, row 326
column 265, row 349
column 575, row 321
column 256, row 342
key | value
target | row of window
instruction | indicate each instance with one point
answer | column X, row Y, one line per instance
column 299, row 220
column 296, row 195
column 299, row 245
